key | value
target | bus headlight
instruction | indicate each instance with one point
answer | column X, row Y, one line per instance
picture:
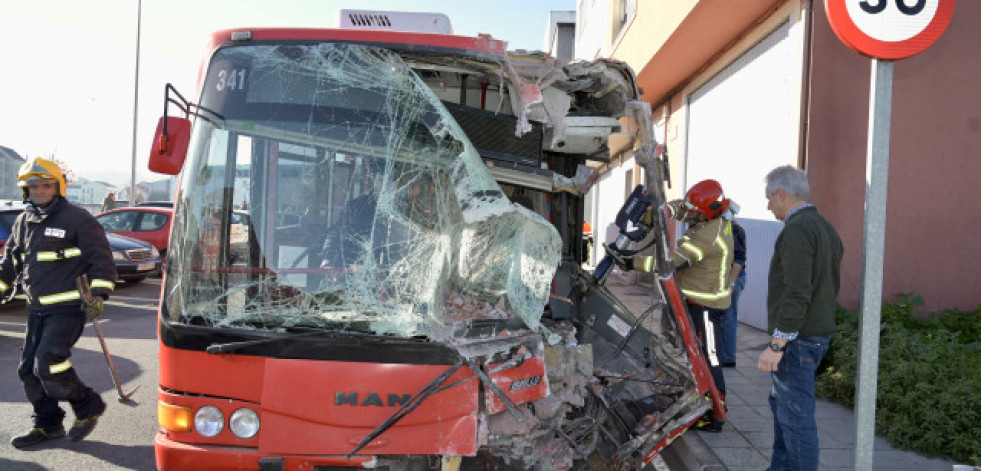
column 208, row 421
column 244, row 423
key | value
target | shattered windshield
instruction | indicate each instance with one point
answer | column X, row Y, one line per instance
column 332, row 189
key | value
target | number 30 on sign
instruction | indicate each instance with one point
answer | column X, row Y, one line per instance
column 889, row 29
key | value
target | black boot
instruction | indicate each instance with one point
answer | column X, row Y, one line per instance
column 83, row 426
column 38, row 435
column 708, row 423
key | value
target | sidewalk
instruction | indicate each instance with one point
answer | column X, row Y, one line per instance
column 746, row 441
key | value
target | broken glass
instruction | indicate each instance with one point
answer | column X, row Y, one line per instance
column 334, row 190
column 338, row 192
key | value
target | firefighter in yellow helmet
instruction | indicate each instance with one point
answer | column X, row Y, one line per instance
column 51, row 244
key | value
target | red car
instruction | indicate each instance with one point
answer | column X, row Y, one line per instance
column 148, row 223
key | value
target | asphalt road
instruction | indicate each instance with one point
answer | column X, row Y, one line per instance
column 124, row 436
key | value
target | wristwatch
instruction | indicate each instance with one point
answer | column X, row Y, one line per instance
column 776, row 347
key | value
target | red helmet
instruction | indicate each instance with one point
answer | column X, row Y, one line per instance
column 706, row 197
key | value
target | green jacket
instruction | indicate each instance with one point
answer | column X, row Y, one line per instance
column 805, row 276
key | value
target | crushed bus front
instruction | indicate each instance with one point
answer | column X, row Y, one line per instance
column 375, row 262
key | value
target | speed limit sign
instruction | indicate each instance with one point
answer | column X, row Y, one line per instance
column 889, row 29
column 885, row 30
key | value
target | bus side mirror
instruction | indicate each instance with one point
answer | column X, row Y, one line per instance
column 170, row 145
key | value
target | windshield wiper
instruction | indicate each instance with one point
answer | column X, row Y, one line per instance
column 229, row 347
column 217, row 348
column 410, row 405
column 432, row 388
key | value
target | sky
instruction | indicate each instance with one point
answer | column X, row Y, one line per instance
column 68, row 67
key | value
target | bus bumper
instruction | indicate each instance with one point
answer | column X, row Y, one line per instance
column 178, row 456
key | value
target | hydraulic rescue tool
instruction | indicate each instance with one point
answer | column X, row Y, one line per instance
column 632, row 229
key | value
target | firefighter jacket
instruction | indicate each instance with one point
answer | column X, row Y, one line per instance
column 49, row 249
column 707, row 248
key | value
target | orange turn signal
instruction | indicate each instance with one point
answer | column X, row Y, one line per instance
column 174, row 418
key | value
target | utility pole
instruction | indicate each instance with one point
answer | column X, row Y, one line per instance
column 136, row 102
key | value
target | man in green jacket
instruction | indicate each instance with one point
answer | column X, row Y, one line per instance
column 803, row 288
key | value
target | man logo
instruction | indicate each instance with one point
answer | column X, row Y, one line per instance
column 370, row 399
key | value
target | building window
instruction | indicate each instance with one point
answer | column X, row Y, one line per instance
column 623, row 12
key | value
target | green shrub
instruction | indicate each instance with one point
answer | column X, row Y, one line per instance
column 929, row 382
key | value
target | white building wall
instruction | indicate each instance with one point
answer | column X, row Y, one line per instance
column 781, row 50
column 590, row 34
column 592, row 29
column 593, row 40
column 8, row 179
column 10, row 162
column 742, row 123
column 85, row 191
column 607, row 196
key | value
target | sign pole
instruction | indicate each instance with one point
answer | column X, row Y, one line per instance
column 886, row 31
column 876, row 185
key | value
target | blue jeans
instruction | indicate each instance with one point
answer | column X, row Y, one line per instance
column 730, row 324
column 795, row 437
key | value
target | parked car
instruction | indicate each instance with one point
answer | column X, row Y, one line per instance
column 135, row 259
column 148, row 223
column 9, row 210
column 156, row 204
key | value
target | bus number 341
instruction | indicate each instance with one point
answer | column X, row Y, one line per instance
column 231, row 79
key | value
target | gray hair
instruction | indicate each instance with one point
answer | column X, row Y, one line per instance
column 789, row 179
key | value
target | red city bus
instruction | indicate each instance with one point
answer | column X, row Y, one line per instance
column 376, row 262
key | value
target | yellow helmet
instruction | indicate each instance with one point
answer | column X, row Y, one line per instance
column 40, row 169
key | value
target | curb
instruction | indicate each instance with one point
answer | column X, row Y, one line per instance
column 689, row 453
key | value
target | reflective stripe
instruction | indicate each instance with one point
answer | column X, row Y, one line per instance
column 707, row 296
column 725, row 290
column 3, row 286
column 723, row 268
column 59, row 367
column 99, row 283
column 49, row 256
column 648, row 265
column 713, row 356
column 693, row 249
column 59, row 297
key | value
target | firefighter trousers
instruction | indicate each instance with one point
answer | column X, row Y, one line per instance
column 709, row 329
column 47, row 372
